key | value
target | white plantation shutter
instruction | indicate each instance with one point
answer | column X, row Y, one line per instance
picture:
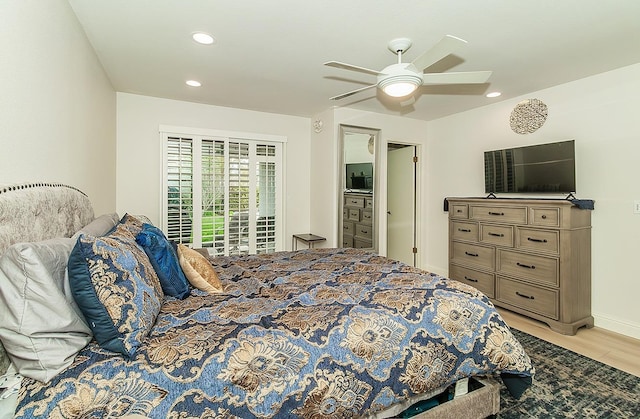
column 179, row 189
column 267, row 173
column 223, row 193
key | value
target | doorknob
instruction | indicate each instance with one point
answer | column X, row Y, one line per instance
column 388, row 212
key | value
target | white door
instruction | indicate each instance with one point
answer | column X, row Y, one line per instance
column 401, row 194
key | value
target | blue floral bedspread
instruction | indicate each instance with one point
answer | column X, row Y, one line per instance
column 319, row 333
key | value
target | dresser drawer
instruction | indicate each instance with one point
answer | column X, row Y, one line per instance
column 538, row 240
column 354, row 201
column 529, row 297
column 459, row 211
column 367, row 216
column 348, row 228
column 368, row 203
column 516, row 215
column 363, row 231
column 548, row 217
column 345, row 213
column 474, row 255
column 361, row 243
column 480, row 280
column 354, row 214
column 495, row 234
column 464, row 231
column 347, row 241
column 539, row 269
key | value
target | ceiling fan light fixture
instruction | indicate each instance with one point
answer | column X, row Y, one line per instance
column 400, row 89
column 400, row 80
column 400, row 85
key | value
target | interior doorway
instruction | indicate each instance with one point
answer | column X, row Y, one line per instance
column 402, row 202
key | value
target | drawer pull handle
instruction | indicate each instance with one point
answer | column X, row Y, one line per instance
column 530, row 297
column 496, row 234
column 471, row 254
column 464, row 230
column 544, row 217
column 459, row 210
column 470, row 279
column 522, row 265
column 496, row 213
column 531, row 239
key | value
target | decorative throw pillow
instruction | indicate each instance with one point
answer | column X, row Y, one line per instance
column 198, row 270
column 164, row 260
column 134, row 223
column 41, row 326
column 116, row 288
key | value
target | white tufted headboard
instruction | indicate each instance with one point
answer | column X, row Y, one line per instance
column 33, row 212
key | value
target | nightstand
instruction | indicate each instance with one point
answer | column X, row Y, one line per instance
column 309, row 239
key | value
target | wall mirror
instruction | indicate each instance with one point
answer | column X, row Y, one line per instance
column 357, row 209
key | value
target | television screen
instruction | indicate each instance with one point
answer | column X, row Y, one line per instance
column 544, row 168
column 359, row 176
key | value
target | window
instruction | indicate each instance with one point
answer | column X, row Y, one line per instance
column 222, row 192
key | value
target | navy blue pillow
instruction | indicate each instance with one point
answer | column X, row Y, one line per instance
column 116, row 288
column 164, row 260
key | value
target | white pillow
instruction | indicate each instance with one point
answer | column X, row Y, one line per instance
column 41, row 326
column 99, row 226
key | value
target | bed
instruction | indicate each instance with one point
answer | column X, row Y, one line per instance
column 321, row 333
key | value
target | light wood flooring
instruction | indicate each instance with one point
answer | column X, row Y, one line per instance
column 616, row 350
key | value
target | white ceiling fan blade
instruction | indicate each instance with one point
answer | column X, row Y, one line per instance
column 351, row 67
column 463, row 77
column 353, row 92
column 447, row 45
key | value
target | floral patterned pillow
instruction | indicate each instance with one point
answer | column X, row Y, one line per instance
column 116, row 288
column 133, row 223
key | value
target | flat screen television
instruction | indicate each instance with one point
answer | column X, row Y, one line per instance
column 359, row 176
column 543, row 168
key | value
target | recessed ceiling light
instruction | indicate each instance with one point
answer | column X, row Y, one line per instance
column 493, row 94
column 193, row 83
column 203, row 38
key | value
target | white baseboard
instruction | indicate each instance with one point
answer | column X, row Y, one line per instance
column 624, row 327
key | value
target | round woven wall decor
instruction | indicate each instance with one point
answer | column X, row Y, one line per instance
column 528, row 116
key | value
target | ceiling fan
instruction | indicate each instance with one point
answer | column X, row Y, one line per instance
column 402, row 79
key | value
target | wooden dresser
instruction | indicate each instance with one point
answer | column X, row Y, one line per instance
column 529, row 256
column 357, row 220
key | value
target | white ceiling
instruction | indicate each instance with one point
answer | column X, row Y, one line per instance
column 269, row 55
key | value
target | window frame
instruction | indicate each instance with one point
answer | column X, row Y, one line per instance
column 197, row 135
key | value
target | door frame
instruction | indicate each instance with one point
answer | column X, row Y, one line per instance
column 418, row 197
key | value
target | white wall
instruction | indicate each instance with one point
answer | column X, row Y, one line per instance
column 57, row 122
column 139, row 153
column 324, row 166
column 356, row 148
column 601, row 113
